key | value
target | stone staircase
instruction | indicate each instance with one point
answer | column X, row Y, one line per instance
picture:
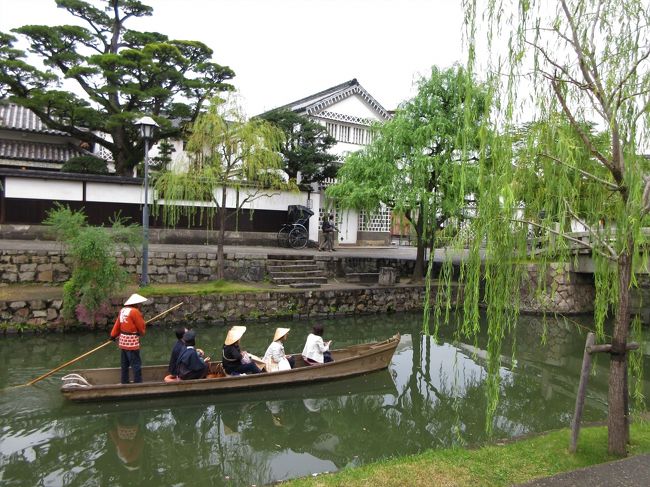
column 297, row 272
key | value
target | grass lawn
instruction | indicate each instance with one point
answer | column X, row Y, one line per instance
column 494, row 465
column 197, row 288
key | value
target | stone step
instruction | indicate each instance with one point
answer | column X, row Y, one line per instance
column 285, row 258
column 304, row 285
column 296, row 280
column 292, row 268
column 314, row 273
column 277, row 262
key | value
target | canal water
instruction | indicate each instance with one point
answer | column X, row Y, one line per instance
column 432, row 396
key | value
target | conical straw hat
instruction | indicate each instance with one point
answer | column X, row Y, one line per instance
column 135, row 299
column 234, row 334
column 280, row 332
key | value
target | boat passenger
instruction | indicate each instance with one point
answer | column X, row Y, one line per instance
column 316, row 351
column 275, row 358
column 127, row 330
column 179, row 346
column 233, row 356
column 191, row 362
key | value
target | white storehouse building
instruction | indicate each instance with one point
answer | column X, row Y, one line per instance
column 347, row 111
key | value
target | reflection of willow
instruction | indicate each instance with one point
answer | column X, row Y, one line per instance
column 194, row 440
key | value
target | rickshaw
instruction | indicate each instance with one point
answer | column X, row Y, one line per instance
column 295, row 233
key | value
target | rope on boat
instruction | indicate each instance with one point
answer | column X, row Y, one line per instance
column 74, row 381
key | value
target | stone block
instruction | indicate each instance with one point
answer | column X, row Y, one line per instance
column 37, row 304
column 45, row 276
column 17, row 305
column 51, row 314
column 26, row 276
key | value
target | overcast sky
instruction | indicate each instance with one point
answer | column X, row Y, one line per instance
column 283, row 50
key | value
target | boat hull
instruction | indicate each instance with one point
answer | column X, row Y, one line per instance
column 348, row 362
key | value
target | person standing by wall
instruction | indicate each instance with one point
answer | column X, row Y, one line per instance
column 127, row 330
column 328, row 228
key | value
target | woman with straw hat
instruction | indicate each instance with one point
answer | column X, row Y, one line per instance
column 233, row 356
column 275, row 358
column 127, row 330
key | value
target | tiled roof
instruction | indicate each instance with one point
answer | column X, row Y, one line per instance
column 16, row 117
column 319, row 101
column 37, row 151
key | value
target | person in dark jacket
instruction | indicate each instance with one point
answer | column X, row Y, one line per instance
column 179, row 346
column 191, row 364
column 234, row 360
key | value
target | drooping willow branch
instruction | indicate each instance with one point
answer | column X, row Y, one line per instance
column 565, row 236
column 591, row 231
column 609, row 185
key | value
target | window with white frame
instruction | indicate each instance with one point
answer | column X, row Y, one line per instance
column 331, row 129
column 344, row 133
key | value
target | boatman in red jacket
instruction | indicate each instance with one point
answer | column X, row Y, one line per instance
column 128, row 328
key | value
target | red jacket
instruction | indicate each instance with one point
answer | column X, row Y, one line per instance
column 129, row 320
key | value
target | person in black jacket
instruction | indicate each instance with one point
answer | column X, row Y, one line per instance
column 191, row 363
column 328, row 234
column 234, row 360
column 179, row 346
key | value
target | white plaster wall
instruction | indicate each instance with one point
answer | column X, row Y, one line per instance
column 354, row 106
column 43, row 189
column 116, row 193
column 349, row 227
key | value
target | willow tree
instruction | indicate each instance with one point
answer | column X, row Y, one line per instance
column 232, row 163
column 413, row 165
column 586, row 59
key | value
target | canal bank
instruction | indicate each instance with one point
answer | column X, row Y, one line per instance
column 43, row 310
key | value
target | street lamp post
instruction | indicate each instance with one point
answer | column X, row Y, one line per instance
column 146, row 126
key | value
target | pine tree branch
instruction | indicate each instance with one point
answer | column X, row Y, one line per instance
column 566, row 237
column 609, row 185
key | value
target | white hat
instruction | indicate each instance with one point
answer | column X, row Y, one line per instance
column 280, row 332
column 235, row 334
column 135, row 299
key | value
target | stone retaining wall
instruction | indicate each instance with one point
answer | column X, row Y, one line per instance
column 563, row 291
column 217, row 308
column 42, row 266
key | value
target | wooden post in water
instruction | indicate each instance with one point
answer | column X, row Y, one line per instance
column 582, row 390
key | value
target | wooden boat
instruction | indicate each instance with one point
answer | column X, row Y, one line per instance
column 103, row 384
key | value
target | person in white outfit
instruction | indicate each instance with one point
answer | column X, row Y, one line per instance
column 275, row 358
column 316, row 351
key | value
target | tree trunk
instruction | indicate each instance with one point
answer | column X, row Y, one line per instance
column 617, row 415
column 222, row 235
column 418, row 269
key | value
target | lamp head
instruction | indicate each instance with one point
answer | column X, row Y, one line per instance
column 146, row 126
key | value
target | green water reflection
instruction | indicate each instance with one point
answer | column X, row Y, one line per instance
column 431, row 396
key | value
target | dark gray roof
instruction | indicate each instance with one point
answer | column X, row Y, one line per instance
column 16, row 117
column 317, row 102
column 68, row 176
column 37, row 151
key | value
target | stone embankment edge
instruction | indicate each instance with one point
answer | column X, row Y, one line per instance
column 45, row 314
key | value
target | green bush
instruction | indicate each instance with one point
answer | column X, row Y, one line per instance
column 85, row 165
column 95, row 274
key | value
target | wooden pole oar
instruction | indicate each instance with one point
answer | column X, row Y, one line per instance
column 34, row 381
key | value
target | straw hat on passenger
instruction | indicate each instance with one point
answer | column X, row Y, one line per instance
column 135, row 299
column 234, row 334
column 279, row 333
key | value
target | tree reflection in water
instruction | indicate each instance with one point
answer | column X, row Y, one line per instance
column 432, row 396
